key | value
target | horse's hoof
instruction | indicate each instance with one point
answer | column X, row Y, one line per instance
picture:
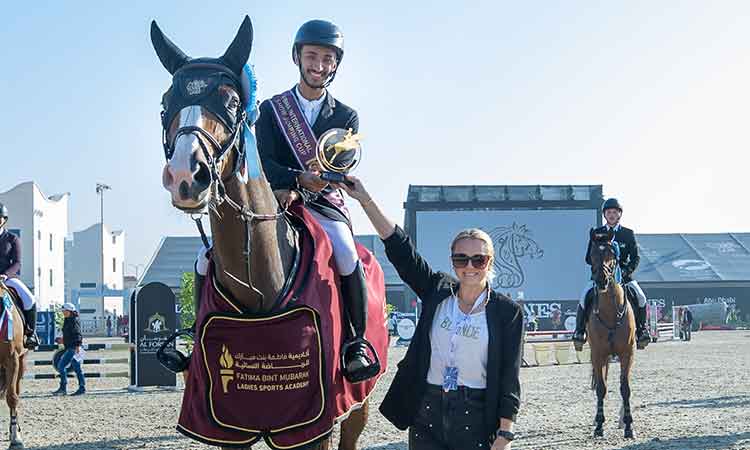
column 599, row 432
column 629, row 434
column 18, row 445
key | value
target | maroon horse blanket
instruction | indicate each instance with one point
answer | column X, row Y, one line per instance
column 277, row 377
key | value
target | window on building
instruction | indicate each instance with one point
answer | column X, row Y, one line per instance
column 87, row 285
column 114, row 265
column 50, row 278
column 15, row 231
column 39, row 235
column 114, row 240
column 50, row 242
column 39, row 272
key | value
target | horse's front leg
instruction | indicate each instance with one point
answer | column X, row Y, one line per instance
column 601, row 392
column 627, row 417
column 353, row 426
column 12, row 398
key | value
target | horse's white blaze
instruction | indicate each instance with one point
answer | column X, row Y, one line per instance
column 185, row 144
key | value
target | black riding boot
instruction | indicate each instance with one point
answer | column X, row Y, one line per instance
column 32, row 340
column 357, row 366
column 642, row 335
column 198, row 281
column 579, row 337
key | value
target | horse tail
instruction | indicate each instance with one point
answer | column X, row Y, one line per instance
column 593, row 378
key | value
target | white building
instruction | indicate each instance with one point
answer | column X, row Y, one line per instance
column 42, row 224
column 93, row 257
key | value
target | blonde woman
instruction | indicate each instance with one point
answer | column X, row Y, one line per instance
column 458, row 386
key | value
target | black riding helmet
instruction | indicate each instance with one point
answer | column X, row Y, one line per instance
column 3, row 211
column 319, row 32
column 611, row 203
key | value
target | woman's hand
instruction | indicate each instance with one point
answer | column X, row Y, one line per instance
column 501, row 444
column 356, row 189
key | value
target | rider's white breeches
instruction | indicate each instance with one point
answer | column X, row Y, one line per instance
column 342, row 240
column 27, row 298
column 634, row 284
column 640, row 295
column 582, row 300
column 201, row 261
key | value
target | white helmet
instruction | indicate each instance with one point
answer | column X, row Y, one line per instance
column 69, row 307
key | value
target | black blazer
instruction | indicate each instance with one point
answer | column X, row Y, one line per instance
column 505, row 325
column 72, row 336
column 275, row 154
column 10, row 254
column 629, row 258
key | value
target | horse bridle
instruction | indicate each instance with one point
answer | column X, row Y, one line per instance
column 167, row 354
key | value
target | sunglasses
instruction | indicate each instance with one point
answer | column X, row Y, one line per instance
column 461, row 260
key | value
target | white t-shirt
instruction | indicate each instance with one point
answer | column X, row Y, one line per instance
column 310, row 108
column 470, row 356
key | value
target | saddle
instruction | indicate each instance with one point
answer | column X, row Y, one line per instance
column 18, row 303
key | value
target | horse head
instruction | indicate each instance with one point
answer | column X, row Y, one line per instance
column 203, row 118
column 603, row 257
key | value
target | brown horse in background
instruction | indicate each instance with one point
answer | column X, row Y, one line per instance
column 12, row 367
column 254, row 246
column 610, row 330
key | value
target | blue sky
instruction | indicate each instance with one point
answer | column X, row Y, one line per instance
column 648, row 98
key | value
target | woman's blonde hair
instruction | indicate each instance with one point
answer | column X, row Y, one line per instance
column 481, row 235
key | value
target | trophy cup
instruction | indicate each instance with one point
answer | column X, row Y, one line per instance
column 338, row 153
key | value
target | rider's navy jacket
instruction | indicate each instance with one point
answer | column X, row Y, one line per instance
column 275, row 154
column 629, row 259
column 10, row 254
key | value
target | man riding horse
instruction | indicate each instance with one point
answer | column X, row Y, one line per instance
column 628, row 260
column 317, row 51
column 10, row 267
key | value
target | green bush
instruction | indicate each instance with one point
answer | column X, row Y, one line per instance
column 187, row 309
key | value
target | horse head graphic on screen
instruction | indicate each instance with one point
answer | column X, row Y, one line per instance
column 512, row 243
column 266, row 363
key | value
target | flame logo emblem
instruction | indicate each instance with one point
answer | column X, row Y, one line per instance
column 227, row 373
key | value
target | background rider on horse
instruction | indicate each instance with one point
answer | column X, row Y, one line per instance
column 10, row 268
column 628, row 260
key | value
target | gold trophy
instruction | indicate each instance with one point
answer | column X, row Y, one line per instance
column 339, row 152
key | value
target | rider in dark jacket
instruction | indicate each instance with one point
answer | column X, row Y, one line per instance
column 10, row 268
column 628, row 261
column 317, row 51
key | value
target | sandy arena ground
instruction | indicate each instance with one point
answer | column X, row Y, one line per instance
column 687, row 396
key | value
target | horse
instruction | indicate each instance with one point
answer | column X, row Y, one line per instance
column 254, row 244
column 12, row 363
column 610, row 329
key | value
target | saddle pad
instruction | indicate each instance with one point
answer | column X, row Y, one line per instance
column 245, row 366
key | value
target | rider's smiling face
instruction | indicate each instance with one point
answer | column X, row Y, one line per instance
column 317, row 64
column 612, row 216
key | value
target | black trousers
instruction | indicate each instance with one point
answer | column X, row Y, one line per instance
column 450, row 421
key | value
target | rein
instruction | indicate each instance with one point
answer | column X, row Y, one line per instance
column 218, row 188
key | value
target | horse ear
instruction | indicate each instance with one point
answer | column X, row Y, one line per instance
column 238, row 52
column 171, row 57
